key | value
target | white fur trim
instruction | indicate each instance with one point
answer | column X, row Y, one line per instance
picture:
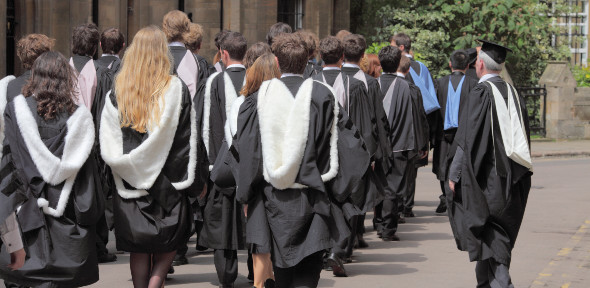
column 231, row 124
column 3, row 91
column 207, row 111
column 141, row 167
column 284, row 127
column 192, row 162
column 78, row 143
column 334, row 161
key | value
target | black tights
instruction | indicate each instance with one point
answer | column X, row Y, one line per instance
column 149, row 270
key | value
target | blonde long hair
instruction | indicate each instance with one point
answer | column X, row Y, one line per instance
column 143, row 79
column 264, row 68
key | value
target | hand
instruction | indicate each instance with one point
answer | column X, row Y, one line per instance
column 452, row 186
column 423, row 154
column 245, row 210
column 204, row 192
column 373, row 165
column 17, row 259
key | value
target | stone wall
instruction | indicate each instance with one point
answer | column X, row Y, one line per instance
column 253, row 18
column 568, row 107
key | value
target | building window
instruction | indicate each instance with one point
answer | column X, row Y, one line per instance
column 573, row 29
column 291, row 12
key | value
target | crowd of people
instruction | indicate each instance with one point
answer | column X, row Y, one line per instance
column 280, row 149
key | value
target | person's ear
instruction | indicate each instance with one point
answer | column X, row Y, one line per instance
column 450, row 65
column 277, row 60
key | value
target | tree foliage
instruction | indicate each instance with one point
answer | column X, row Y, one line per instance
column 438, row 27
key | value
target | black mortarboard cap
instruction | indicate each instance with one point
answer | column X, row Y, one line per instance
column 494, row 50
column 472, row 53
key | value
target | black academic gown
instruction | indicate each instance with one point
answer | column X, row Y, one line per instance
column 431, row 118
column 204, row 69
column 15, row 86
column 472, row 73
column 444, row 139
column 222, row 216
column 109, row 62
column 60, row 250
column 311, row 69
column 317, row 223
column 487, row 209
column 160, row 221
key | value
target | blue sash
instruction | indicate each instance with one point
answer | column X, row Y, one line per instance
column 452, row 109
column 424, row 83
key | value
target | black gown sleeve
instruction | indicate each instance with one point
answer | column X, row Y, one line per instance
column 361, row 114
column 249, row 147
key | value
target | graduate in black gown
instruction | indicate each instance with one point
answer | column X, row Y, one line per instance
column 398, row 105
column 354, row 50
column 311, row 41
column 85, row 41
column 112, row 43
column 152, row 153
column 193, row 43
column 223, row 215
column 490, row 175
column 472, row 52
column 303, row 188
column 419, row 76
column 352, row 97
column 452, row 94
column 50, row 180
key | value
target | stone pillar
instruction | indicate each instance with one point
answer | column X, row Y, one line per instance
column 561, row 86
column 207, row 14
column 113, row 14
column 341, row 16
column 3, row 39
column 319, row 17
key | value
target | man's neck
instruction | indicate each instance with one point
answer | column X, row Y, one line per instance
column 332, row 65
column 457, row 70
column 231, row 62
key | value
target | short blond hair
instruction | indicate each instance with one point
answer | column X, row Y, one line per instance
column 176, row 26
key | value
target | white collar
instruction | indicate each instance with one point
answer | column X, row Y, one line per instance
column 331, row 68
column 236, row 65
column 176, row 44
column 389, row 73
column 488, row 76
column 351, row 65
column 107, row 54
column 291, row 74
column 400, row 74
column 409, row 55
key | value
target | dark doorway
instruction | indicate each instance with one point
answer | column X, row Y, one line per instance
column 10, row 36
column 290, row 12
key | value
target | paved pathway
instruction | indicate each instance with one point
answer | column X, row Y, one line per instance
column 553, row 248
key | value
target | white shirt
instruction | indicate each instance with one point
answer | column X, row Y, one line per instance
column 400, row 74
column 236, row 65
column 331, row 68
column 291, row 74
column 10, row 234
column 351, row 65
column 176, row 43
column 107, row 54
column 487, row 77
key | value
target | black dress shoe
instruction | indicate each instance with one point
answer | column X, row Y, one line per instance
column 171, row 270
column 390, row 238
column 337, row 267
column 269, row 283
column 179, row 260
column 107, row 257
column 442, row 207
column 361, row 243
column 409, row 214
column 401, row 219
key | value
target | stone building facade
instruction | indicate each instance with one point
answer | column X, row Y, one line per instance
column 56, row 18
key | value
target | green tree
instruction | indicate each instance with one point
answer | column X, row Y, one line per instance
column 438, row 27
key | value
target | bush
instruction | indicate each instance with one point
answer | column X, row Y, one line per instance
column 582, row 75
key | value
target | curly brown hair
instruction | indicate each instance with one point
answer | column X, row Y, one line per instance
column 85, row 39
column 291, row 52
column 255, row 51
column 176, row 26
column 31, row 46
column 53, row 84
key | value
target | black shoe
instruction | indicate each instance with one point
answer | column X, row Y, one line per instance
column 226, row 285
column 442, row 207
column 171, row 270
column 107, row 257
column 250, row 278
column 361, row 243
column 201, row 248
column 409, row 214
column 401, row 219
column 390, row 238
column 337, row 267
column 179, row 260
column 269, row 283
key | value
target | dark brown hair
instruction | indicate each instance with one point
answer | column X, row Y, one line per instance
column 52, row 83
column 176, row 26
column 291, row 53
column 31, row 46
column 235, row 44
column 255, row 51
column 112, row 41
column 85, row 39
column 354, row 47
column 311, row 42
column 276, row 30
column 264, row 68
column 402, row 39
column 404, row 65
column 331, row 50
column 389, row 57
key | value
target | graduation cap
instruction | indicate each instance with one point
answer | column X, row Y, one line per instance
column 472, row 54
column 496, row 51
